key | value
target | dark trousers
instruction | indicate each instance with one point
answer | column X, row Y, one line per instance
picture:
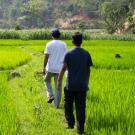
column 79, row 97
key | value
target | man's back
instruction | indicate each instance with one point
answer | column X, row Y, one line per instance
column 78, row 63
column 56, row 50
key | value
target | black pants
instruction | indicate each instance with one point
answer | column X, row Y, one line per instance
column 80, row 104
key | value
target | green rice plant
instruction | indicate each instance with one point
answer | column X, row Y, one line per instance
column 105, row 57
column 110, row 99
column 37, row 48
column 35, row 35
column 45, row 34
column 103, row 53
column 110, row 103
column 12, row 57
column 9, row 35
column 121, row 37
column 21, row 43
column 8, row 118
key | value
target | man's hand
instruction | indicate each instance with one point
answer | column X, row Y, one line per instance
column 45, row 63
column 61, row 74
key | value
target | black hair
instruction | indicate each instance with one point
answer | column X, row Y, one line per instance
column 77, row 38
column 56, row 33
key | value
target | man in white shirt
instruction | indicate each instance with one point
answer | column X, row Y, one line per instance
column 54, row 55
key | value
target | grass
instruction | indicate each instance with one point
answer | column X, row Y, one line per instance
column 34, row 115
column 8, row 117
column 110, row 100
column 10, row 42
column 103, row 53
column 11, row 57
column 45, row 34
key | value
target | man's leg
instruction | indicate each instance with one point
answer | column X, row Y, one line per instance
column 80, row 103
column 69, row 98
column 58, row 92
column 48, row 85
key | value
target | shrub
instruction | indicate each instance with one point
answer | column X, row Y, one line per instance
column 18, row 27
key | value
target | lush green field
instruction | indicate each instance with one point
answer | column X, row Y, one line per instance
column 7, row 109
column 110, row 101
column 103, row 53
column 10, row 57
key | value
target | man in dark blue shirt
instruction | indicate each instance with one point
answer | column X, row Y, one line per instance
column 77, row 62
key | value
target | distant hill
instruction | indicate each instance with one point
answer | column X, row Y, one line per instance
column 66, row 14
column 48, row 13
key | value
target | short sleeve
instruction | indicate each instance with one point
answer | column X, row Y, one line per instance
column 47, row 49
column 65, row 48
column 90, row 63
column 66, row 58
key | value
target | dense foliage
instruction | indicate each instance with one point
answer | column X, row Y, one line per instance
column 41, row 13
column 72, row 14
column 43, row 34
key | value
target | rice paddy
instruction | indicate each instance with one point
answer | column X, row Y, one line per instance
column 110, row 100
column 11, row 57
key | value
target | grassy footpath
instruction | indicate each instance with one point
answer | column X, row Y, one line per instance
column 34, row 115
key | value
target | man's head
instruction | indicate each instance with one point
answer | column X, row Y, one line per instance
column 55, row 33
column 77, row 39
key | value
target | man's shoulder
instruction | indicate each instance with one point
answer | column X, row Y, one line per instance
column 56, row 42
column 49, row 43
column 81, row 50
column 69, row 51
column 62, row 43
column 85, row 51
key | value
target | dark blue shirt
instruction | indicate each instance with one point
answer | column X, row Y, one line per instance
column 78, row 62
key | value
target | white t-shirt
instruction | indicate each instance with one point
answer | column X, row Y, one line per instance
column 56, row 50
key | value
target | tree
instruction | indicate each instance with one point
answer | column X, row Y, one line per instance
column 114, row 14
column 34, row 10
column 82, row 26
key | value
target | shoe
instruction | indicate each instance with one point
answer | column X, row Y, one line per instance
column 80, row 132
column 80, row 128
column 69, row 127
column 50, row 99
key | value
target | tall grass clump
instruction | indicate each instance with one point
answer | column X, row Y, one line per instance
column 10, row 35
column 12, row 57
column 120, row 37
column 104, row 54
column 32, row 35
column 40, row 34
column 8, row 117
column 110, row 103
column 35, row 35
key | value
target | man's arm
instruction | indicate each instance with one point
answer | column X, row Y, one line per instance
column 90, row 63
column 61, row 74
column 45, row 62
column 88, row 75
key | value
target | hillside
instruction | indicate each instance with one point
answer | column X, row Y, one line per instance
column 66, row 14
column 62, row 13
